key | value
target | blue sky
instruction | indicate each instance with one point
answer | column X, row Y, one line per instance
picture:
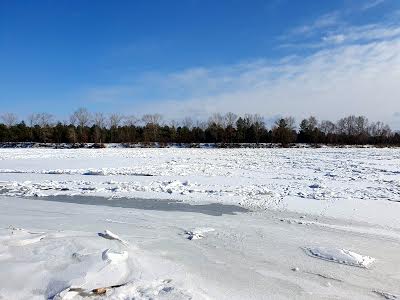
column 196, row 57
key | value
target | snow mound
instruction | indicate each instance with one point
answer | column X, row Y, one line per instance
column 198, row 233
column 341, row 256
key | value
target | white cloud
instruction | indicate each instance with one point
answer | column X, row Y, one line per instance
column 360, row 76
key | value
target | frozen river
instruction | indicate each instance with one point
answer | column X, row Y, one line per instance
column 200, row 223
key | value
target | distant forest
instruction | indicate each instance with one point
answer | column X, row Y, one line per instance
column 85, row 127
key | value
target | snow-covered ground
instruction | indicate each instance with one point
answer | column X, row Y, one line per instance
column 322, row 223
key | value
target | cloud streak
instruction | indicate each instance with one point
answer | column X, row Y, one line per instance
column 372, row 4
column 325, row 21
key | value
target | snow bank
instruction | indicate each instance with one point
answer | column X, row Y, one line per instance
column 255, row 252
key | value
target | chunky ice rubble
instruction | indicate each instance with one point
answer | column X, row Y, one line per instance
column 326, row 179
column 266, row 175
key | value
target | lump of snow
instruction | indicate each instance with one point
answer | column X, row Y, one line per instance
column 315, row 186
column 198, row 233
column 112, row 236
column 175, row 186
column 341, row 256
column 112, row 256
column 94, row 172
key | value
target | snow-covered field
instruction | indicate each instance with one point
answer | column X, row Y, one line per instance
column 321, row 223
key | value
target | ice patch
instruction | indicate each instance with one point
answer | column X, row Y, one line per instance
column 341, row 256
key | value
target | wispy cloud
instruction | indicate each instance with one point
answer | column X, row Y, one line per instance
column 371, row 4
column 362, row 34
column 325, row 21
column 333, row 29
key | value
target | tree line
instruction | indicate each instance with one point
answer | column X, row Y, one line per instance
column 86, row 127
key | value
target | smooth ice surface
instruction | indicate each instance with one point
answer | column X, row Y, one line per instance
column 214, row 209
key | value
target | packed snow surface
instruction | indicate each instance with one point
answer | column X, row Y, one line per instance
column 306, row 208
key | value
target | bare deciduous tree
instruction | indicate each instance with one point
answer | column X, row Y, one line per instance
column 32, row 119
column 131, row 120
column 115, row 120
column 80, row 117
column 99, row 120
column 187, row 122
column 327, row 127
column 361, row 124
column 217, row 119
column 152, row 119
column 201, row 124
column 174, row 124
column 347, row 125
column 44, row 119
column 230, row 119
column 379, row 129
column 291, row 122
column 9, row 119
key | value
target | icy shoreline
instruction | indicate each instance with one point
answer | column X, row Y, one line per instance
column 34, row 145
